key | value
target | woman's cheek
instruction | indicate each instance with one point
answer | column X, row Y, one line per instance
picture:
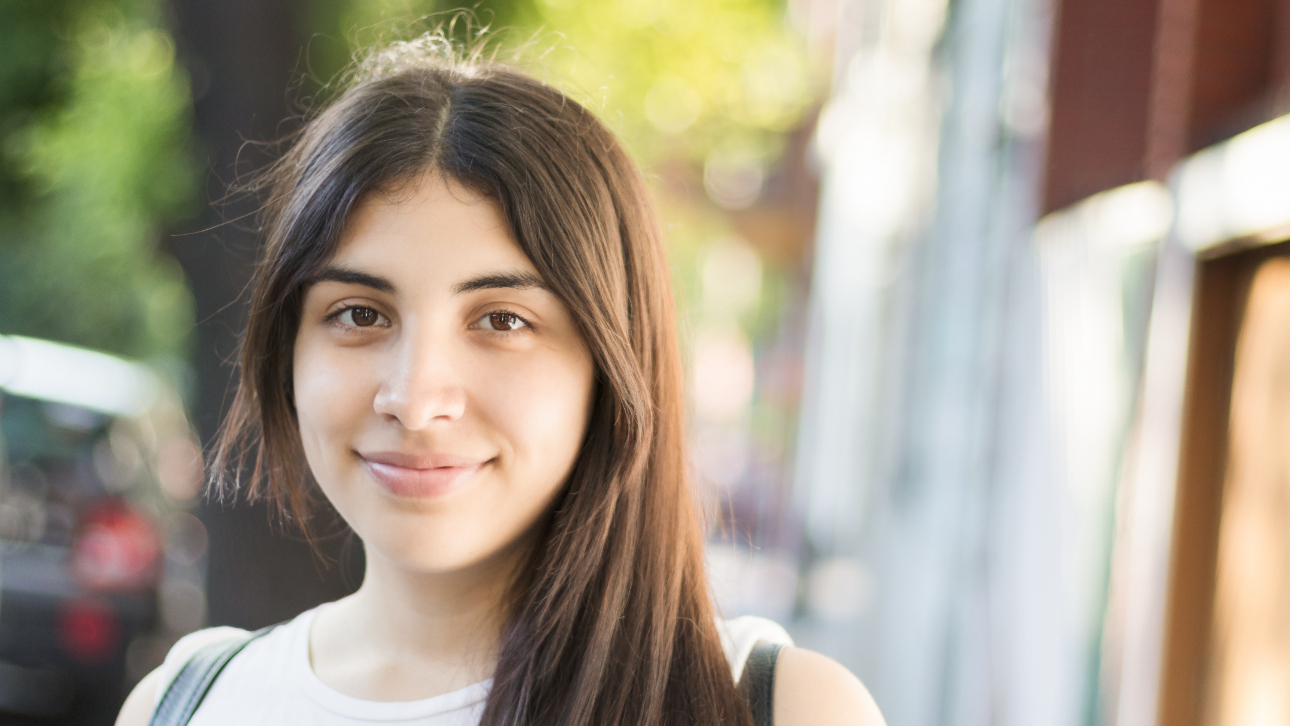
column 328, row 392
column 546, row 408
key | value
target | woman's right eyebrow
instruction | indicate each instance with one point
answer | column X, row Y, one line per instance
column 352, row 277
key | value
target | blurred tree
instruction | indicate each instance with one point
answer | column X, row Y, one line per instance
column 243, row 56
column 95, row 124
column 32, row 78
column 673, row 77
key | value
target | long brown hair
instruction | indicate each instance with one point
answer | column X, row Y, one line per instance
column 613, row 623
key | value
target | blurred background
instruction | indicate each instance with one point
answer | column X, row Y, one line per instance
column 986, row 311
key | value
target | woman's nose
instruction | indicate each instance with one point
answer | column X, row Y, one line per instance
column 422, row 386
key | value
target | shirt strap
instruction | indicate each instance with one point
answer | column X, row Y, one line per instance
column 758, row 682
column 187, row 690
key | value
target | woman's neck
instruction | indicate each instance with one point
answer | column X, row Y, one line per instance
column 410, row 635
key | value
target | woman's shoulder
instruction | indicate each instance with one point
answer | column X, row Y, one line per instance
column 148, row 693
column 814, row 689
column 186, row 647
column 810, row 688
column 143, row 700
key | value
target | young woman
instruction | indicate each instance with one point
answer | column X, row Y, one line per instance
column 462, row 334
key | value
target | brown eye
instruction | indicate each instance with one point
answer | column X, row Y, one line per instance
column 361, row 317
column 502, row 321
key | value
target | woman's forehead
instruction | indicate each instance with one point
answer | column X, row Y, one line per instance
column 434, row 228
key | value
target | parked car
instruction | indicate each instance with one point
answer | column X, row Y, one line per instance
column 101, row 567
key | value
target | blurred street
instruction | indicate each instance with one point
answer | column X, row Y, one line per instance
column 985, row 307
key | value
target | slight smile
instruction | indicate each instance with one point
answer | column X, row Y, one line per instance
column 420, row 477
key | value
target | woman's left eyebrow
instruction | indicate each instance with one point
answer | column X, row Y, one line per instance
column 491, row 281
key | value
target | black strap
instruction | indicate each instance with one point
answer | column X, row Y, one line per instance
column 758, row 682
column 186, row 692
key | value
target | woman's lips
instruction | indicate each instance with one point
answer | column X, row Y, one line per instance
column 419, row 477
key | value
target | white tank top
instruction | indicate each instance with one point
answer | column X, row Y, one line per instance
column 272, row 683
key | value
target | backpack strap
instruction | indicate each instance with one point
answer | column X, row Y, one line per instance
column 186, row 692
column 758, row 682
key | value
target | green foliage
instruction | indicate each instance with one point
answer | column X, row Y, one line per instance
column 33, row 78
column 102, row 157
column 673, row 77
column 336, row 30
column 680, row 76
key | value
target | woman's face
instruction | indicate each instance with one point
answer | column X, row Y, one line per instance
column 442, row 390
